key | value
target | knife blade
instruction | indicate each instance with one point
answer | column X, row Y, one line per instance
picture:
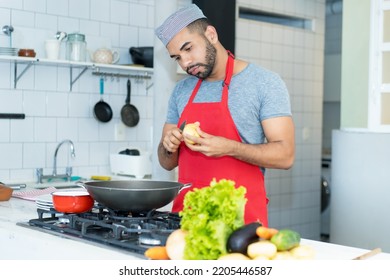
column 182, row 125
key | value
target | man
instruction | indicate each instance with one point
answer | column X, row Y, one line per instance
column 243, row 111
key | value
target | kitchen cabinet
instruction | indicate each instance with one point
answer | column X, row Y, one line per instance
column 112, row 70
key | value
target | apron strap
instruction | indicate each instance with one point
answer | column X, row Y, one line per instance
column 228, row 77
column 229, row 69
column 226, row 82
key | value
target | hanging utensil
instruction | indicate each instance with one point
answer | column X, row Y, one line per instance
column 129, row 112
column 7, row 30
column 102, row 110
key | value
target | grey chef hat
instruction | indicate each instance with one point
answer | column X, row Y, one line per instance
column 177, row 21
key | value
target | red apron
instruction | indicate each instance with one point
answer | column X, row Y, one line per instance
column 198, row 169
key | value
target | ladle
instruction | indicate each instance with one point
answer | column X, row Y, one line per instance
column 7, row 30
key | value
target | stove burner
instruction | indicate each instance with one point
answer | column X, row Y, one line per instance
column 146, row 238
column 134, row 232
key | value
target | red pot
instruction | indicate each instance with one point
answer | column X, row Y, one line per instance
column 72, row 201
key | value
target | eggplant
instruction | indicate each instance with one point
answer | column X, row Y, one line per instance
column 239, row 240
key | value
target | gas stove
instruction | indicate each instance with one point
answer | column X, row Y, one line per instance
column 132, row 232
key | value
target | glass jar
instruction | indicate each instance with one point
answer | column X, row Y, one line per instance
column 76, row 47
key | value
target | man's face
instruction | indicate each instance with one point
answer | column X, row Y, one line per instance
column 193, row 52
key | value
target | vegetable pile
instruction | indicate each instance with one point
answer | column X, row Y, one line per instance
column 262, row 243
column 209, row 216
column 212, row 227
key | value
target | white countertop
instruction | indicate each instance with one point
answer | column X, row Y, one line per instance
column 18, row 242
column 22, row 243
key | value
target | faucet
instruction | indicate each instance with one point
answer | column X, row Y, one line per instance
column 72, row 153
column 68, row 174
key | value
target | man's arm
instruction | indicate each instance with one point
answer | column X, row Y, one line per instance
column 278, row 152
column 168, row 148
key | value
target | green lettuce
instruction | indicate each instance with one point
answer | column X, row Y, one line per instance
column 210, row 215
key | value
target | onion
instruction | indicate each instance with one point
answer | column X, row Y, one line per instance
column 175, row 244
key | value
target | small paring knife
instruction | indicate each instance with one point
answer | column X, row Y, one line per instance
column 181, row 127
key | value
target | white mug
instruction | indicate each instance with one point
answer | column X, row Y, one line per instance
column 52, row 48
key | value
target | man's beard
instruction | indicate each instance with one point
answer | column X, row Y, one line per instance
column 211, row 53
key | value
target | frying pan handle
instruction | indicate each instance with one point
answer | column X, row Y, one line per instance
column 81, row 184
column 185, row 186
column 101, row 85
column 128, row 91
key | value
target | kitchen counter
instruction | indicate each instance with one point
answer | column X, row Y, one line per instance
column 19, row 242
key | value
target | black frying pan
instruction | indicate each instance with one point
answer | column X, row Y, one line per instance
column 102, row 110
column 133, row 195
column 129, row 113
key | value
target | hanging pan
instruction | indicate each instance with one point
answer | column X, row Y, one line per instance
column 129, row 112
column 102, row 110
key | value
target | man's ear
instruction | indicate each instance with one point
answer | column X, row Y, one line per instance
column 211, row 34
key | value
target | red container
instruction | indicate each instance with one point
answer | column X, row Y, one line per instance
column 72, row 201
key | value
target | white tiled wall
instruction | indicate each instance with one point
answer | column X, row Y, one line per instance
column 297, row 55
column 53, row 113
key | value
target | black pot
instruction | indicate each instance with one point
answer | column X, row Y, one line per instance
column 142, row 55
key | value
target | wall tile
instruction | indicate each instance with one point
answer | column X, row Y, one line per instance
column 45, row 129
column 33, row 155
column 22, row 18
column 44, row 21
column 79, row 8
column 5, row 130
column 22, row 130
column 119, row 12
column 69, row 25
column 138, row 15
column 56, row 7
column 110, row 31
column 128, row 37
column 98, row 155
column 15, row 4
column 67, row 128
column 100, row 10
column 57, row 104
column 88, row 129
column 35, row 5
column 11, row 101
column 91, row 28
column 13, row 153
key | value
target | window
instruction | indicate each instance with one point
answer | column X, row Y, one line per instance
column 274, row 18
column 379, row 101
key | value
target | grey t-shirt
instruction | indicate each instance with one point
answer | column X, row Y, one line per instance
column 255, row 94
